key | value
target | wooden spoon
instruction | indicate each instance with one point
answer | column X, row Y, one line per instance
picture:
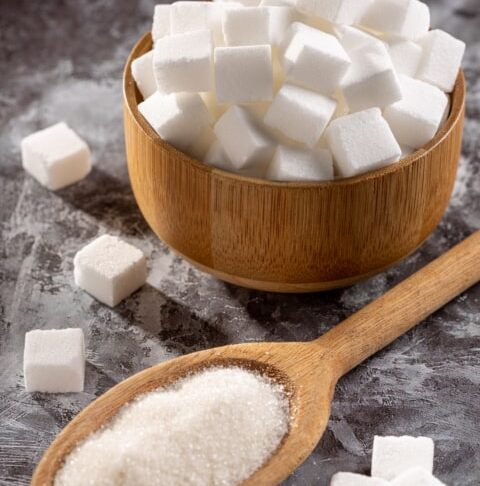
column 309, row 371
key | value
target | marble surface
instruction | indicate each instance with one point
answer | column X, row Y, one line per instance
column 63, row 60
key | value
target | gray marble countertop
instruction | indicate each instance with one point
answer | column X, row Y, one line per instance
column 62, row 60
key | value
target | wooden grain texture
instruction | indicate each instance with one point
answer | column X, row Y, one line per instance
column 308, row 371
column 289, row 237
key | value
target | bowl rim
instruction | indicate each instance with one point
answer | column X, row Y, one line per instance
column 130, row 91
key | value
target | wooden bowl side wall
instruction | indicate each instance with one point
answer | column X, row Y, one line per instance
column 289, row 236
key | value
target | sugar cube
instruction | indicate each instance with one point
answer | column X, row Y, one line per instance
column 417, row 476
column 441, row 60
column 352, row 479
column 353, row 38
column 406, row 56
column 56, row 156
column 280, row 19
column 246, row 26
column 244, row 142
column 336, row 11
column 415, row 119
column 371, row 81
column 298, row 164
column 245, row 3
column 215, row 14
column 316, row 61
column 201, row 144
column 216, row 157
column 183, row 62
column 278, row 3
column 54, row 360
column 407, row 19
column 161, row 22
column 300, row 114
column 177, row 117
column 216, row 109
column 392, row 456
column 362, row 142
column 110, row 269
column 188, row 17
column 243, row 74
column 142, row 72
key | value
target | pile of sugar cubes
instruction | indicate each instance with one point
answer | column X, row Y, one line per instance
column 396, row 461
column 297, row 89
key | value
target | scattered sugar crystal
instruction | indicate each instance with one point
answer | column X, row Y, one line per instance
column 298, row 164
column 161, row 22
column 243, row 74
column 142, row 72
column 56, row 156
column 110, row 269
column 417, row 476
column 441, row 60
column 352, row 479
column 392, row 456
column 215, row 427
column 183, row 62
column 54, row 360
column 362, row 142
column 246, row 26
column 300, row 114
column 406, row 56
column 416, row 118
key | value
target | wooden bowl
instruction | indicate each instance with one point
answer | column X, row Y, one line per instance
column 289, row 237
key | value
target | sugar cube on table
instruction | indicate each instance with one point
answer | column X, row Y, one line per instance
column 362, row 142
column 406, row 19
column 300, row 114
column 183, row 62
column 177, row 117
column 298, row 164
column 315, row 61
column 441, row 60
column 54, row 360
column 142, row 72
column 416, row 477
column 161, row 22
column 188, row 17
column 352, row 479
column 246, row 26
column 56, row 156
column 110, row 269
column 372, row 80
column 336, row 11
column 416, row 118
column 406, row 56
column 243, row 74
column 243, row 140
column 392, row 456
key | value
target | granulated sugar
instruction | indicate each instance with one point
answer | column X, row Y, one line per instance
column 216, row 427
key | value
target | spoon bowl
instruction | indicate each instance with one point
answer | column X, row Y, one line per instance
column 307, row 371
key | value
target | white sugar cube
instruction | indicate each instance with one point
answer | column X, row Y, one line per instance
column 215, row 14
column 416, row 118
column 336, row 11
column 372, row 80
column 161, row 22
column 300, row 114
column 188, row 17
column 183, row 62
column 110, row 269
column 407, row 19
column 142, row 72
column 362, row 142
column 56, row 156
column 280, row 19
column 278, row 3
column 245, row 3
column 315, row 61
column 216, row 157
column 298, row 164
column 441, row 60
column 352, row 479
column 54, row 360
column 201, row 144
column 406, row 56
column 353, row 38
column 244, row 142
column 246, row 26
column 416, row 477
column 392, row 456
column 243, row 74
column 177, row 117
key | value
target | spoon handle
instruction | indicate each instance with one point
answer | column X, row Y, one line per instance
column 404, row 306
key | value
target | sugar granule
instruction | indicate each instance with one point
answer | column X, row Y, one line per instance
column 215, row 428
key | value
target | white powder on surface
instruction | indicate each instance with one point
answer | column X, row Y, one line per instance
column 214, row 428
